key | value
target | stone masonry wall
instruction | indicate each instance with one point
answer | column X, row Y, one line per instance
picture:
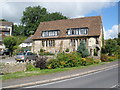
column 60, row 45
column 12, row 67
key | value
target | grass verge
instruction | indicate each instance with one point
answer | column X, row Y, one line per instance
column 37, row 71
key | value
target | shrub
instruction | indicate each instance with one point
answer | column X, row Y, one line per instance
column 103, row 50
column 65, row 60
column 30, row 67
column 96, row 61
column 73, row 59
column 52, row 63
column 41, row 50
column 83, row 60
column 67, row 50
column 87, row 61
column 104, row 58
column 41, row 62
column 118, row 56
column 45, row 53
column 112, row 58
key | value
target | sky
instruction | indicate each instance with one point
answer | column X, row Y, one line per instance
column 13, row 10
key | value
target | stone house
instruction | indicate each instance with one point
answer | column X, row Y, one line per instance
column 59, row 35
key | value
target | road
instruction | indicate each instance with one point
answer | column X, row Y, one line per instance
column 102, row 79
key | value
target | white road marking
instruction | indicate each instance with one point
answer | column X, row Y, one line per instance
column 114, row 86
column 70, row 78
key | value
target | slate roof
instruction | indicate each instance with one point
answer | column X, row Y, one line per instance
column 29, row 40
column 4, row 23
column 94, row 24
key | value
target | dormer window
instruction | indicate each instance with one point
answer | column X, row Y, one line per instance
column 50, row 33
column 77, row 31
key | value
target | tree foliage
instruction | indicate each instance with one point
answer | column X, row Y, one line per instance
column 3, row 20
column 32, row 16
column 10, row 43
column 111, row 46
column 18, row 30
column 20, row 39
column 119, row 35
column 54, row 16
column 82, row 49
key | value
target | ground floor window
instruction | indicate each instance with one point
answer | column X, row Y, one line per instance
column 74, row 42
column 48, row 43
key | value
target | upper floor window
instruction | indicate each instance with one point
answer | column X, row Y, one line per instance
column 77, row 31
column 50, row 33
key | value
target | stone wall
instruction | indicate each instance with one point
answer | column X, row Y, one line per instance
column 92, row 43
column 12, row 67
column 60, row 45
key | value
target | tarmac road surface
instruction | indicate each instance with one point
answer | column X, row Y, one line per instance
column 103, row 79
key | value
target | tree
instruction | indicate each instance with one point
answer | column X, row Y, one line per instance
column 32, row 16
column 119, row 35
column 111, row 46
column 82, row 49
column 20, row 39
column 18, row 30
column 54, row 16
column 3, row 20
column 10, row 43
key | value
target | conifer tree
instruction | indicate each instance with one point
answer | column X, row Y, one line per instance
column 82, row 49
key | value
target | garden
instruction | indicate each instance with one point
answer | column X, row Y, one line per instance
column 67, row 61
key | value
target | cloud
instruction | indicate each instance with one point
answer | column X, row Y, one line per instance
column 111, row 33
column 12, row 11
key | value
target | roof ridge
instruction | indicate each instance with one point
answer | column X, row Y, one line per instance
column 71, row 19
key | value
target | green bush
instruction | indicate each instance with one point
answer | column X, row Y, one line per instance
column 87, row 61
column 41, row 50
column 112, row 58
column 67, row 50
column 45, row 53
column 65, row 60
column 52, row 64
column 96, row 61
column 73, row 59
column 30, row 67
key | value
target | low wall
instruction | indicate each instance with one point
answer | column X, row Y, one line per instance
column 12, row 67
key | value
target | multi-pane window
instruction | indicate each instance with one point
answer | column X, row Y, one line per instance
column 48, row 43
column 75, row 42
column 43, row 43
column 77, row 31
column 50, row 33
column 72, row 42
